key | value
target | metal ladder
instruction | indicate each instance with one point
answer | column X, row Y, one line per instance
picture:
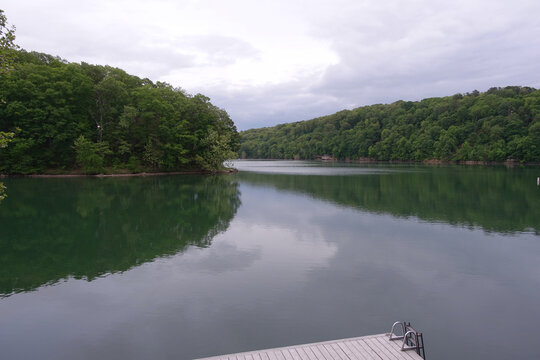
column 412, row 339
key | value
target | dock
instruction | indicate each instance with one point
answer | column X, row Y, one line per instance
column 376, row 347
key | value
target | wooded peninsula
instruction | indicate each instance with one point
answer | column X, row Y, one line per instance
column 60, row 117
column 495, row 126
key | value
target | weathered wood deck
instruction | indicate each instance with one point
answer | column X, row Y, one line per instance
column 376, row 347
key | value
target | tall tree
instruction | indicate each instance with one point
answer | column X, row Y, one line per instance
column 7, row 51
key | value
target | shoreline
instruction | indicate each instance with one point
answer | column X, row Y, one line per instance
column 412, row 162
column 199, row 172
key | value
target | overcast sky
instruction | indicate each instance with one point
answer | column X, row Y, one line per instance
column 270, row 62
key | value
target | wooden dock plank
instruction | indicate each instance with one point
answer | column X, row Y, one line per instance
column 335, row 354
column 311, row 355
column 393, row 348
column 324, row 351
column 287, row 354
column 348, row 353
column 366, row 350
column 340, row 352
column 279, row 354
column 409, row 355
column 271, row 355
column 333, row 348
column 295, row 355
column 337, row 351
column 382, row 351
column 373, row 347
column 351, row 351
column 318, row 353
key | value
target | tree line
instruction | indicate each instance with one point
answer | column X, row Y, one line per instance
column 62, row 116
column 497, row 125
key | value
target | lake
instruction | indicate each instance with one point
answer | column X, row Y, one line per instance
column 280, row 253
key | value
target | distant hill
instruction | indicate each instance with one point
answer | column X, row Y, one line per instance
column 497, row 125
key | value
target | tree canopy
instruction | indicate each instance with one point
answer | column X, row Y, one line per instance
column 68, row 115
column 7, row 43
column 7, row 48
column 499, row 124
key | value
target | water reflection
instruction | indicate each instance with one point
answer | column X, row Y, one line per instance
column 299, row 262
column 494, row 198
column 51, row 229
column 301, row 167
column 200, row 302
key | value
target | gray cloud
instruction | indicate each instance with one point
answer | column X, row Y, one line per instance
column 269, row 105
column 386, row 55
column 220, row 50
column 95, row 33
column 436, row 51
column 154, row 60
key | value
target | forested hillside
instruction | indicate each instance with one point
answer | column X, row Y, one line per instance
column 500, row 124
column 67, row 116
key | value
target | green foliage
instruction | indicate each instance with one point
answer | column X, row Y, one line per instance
column 98, row 117
column 134, row 165
column 2, row 191
column 152, row 154
column 216, row 150
column 90, row 155
column 5, row 138
column 497, row 125
column 7, row 44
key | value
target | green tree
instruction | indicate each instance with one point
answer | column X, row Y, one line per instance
column 5, row 138
column 491, row 126
column 7, row 44
column 152, row 154
column 91, row 155
column 109, row 98
column 216, row 151
column 7, row 55
column 143, row 126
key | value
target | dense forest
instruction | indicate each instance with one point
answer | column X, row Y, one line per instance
column 66, row 115
column 497, row 125
column 57, row 116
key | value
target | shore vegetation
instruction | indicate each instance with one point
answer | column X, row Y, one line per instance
column 495, row 126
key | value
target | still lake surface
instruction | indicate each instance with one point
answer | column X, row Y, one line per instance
column 281, row 253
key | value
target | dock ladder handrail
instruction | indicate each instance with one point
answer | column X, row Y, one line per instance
column 412, row 339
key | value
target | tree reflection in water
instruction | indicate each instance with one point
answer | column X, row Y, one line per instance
column 52, row 229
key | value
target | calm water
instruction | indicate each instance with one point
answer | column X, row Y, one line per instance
column 278, row 254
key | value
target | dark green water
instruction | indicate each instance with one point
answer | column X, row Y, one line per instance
column 278, row 254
